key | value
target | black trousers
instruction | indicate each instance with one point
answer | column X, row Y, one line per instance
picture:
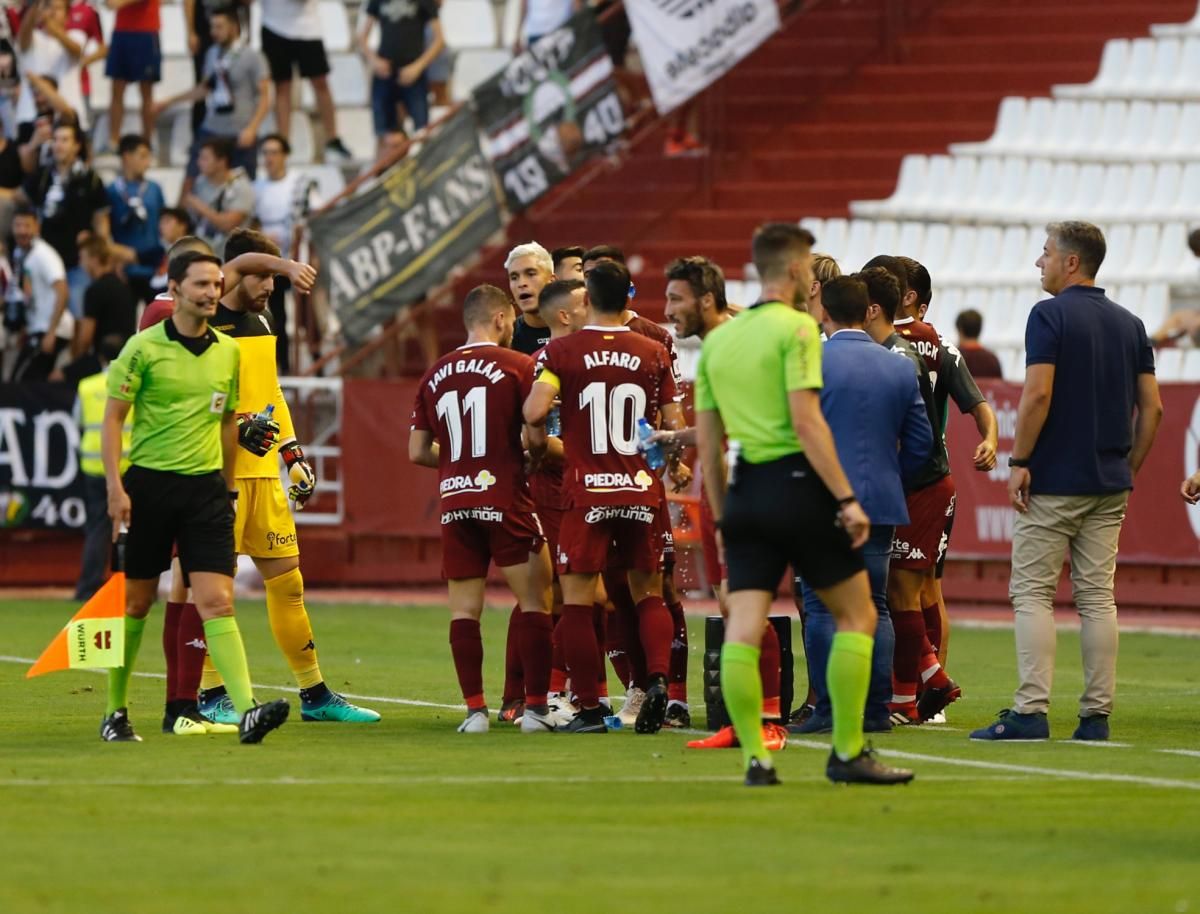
column 97, row 537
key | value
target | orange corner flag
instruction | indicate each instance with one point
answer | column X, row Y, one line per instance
column 93, row 638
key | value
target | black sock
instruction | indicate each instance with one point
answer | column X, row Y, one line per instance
column 314, row 694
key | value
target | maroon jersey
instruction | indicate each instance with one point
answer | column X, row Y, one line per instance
column 546, row 483
column 471, row 399
column 925, row 341
column 608, row 378
column 659, row 334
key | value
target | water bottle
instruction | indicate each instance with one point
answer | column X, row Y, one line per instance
column 554, row 423
column 266, row 414
column 652, row 452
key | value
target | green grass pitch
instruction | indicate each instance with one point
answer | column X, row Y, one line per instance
column 409, row 816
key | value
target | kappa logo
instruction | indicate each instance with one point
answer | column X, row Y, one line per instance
column 459, row 485
column 917, row 555
column 682, row 9
column 198, row 644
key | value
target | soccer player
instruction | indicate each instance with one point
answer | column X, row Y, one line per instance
column 467, row 424
column 696, row 306
column 954, row 379
column 529, row 267
column 920, row 545
column 182, row 376
column 626, row 640
column 608, row 379
column 568, row 263
column 785, row 501
column 264, row 528
column 183, row 632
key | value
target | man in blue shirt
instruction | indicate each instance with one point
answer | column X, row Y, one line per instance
column 882, row 433
column 1087, row 418
column 137, row 202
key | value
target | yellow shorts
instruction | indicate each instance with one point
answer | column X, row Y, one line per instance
column 264, row 528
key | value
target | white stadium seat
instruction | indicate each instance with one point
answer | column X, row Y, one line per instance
column 1168, row 30
column 471, row 67
column 469, row 24
column 348, row 81
column 335, row 26
column 170, row 180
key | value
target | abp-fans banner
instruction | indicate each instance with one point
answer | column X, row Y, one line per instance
column 550, row 109
column 687, row 45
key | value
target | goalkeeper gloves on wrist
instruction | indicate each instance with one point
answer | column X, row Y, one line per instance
column 257, row 434
column 300, row 472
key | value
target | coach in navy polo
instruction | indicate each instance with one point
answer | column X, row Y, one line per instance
column 1087, row 418
column 874, row 408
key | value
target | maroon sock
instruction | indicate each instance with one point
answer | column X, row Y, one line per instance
column 677, row 676
column 614, row 646
column 191, row 651
column 656, row 631
column 466, row 646
column 536, row 635
column 579, row 645
column 558, row 661
column 768, row 670
column 170, row 644
column 906, row 661
column 933, row 626
column 514, row 680
column 627, row 621
column 600, row 627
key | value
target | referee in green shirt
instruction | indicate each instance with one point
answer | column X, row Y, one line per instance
column 179, row 489
column 785, row 500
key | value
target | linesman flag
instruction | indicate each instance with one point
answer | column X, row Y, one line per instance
column 93, row 638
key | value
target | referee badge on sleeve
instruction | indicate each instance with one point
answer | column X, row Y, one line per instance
column 218, row 403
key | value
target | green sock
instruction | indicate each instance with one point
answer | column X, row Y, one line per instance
column 741, row 686
column 118, row 678
column 848, row 677
column 224, row 641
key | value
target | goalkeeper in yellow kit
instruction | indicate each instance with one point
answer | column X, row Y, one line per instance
column 264, row 528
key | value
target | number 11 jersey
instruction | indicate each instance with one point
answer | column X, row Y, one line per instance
column 471, row 399
column 607, row 379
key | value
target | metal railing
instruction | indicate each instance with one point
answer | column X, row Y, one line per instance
column 316, row 407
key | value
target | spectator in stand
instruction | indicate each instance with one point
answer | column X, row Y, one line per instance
column 440, row 70
column 981, row 362
column 11, row 178
column 82, row 17
column 47, row 48
column 134, row 57
column 173, row 224
column 400, row 62
column 71, row 201
column 291, row 39
column 137, row 202
column 109, row 306
column 10, row 78
column 39, row 289
column 223, row 198
column 237, row 90
column 283, row 198
column 196, row 17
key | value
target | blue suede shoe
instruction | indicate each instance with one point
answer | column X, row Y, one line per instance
column 1093, row 728
column 1011, row 725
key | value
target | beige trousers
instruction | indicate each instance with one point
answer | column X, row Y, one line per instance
column 1089, row 526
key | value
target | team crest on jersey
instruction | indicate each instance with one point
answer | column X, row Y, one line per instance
column 459, row 485
column 618, row 482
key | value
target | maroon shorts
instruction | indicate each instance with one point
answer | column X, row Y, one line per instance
column 666, row 535
column 551, row 519
column 713, row 570
column 920, row 542
column 609, row 537
column 474, row 537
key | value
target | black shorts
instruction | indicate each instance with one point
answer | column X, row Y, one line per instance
column 170, row 509
column 779, row 514
column 285, row 54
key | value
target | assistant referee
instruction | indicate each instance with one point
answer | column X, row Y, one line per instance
column 785, row 501
column 183, row 378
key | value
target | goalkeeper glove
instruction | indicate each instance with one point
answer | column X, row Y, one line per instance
column 257, row 434
column 300, row 472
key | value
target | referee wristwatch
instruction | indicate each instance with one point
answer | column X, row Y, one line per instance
column 1018, row 462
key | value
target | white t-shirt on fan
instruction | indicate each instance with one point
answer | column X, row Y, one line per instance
column 47, row 57
column 43, row 267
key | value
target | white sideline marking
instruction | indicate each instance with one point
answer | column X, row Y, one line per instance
column 1173, row 631
column 1064, row 773
column 1031, row 770
column 1192, row 753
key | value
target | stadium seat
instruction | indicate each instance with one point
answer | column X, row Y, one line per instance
column 510, row 23
column 910, row 186
column 329, row 178
column 1180, row 29
column 335, row 25
column 358, row 132
column 1191, row 366
column 170, row 180
column 1114, row 62
column 473, row 66
column 469, row 24
column 1169, row 364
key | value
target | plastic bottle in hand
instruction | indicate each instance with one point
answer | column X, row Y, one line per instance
column 655, row 459
column 267, row 413
column 554, row 423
